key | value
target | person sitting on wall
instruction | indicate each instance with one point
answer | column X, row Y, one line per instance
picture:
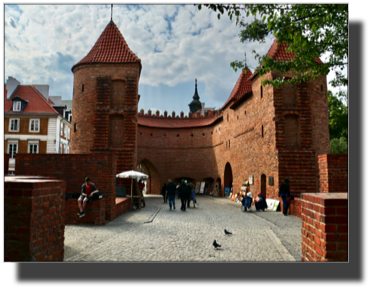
column 87, row 191
column 247, row 201
column 260, row 202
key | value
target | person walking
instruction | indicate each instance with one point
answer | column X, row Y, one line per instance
column 188, row 190
column 163, row 192
column 192, row 196
column 170, row 193
column 285, row 194
column 183, row 194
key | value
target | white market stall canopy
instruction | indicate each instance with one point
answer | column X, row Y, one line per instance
column 132, row 174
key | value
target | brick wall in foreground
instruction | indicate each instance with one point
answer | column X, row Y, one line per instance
column 73, row 168
column 333, row 173
column 325, row 227
column 33, row 220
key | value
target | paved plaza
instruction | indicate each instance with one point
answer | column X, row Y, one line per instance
column 157, row 234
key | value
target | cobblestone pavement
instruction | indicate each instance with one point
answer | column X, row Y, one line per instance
column 157, row 234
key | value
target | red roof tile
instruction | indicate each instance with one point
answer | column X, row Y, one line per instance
column 36, row 104
column 279, row 53
column 174, row 123
column 110, row 48
column 242, row 86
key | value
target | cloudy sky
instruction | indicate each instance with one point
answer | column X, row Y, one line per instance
column 176, row 44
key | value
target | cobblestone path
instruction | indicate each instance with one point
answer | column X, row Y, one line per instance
column 157, row 234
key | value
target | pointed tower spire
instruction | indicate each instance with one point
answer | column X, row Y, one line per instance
column 111, row 22
column 195, row 105
column 110, row 47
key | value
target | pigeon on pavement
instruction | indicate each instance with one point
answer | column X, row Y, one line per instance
column 216, row 245
column 226, row 232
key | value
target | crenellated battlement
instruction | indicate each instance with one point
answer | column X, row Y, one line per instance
column 208, row 114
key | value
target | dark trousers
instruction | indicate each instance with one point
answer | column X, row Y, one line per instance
column 285, row 205
column 183, row 203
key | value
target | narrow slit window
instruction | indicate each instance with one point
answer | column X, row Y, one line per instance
column 261, row 89
column 262, row 131
column 82, row 87
column 75, row 127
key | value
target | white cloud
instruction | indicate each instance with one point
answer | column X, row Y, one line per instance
column 175, row 44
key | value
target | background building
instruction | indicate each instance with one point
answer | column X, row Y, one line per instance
column 34, row 122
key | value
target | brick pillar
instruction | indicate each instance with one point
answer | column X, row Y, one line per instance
column 333, row 173
column 34, row 224
column 325, row 227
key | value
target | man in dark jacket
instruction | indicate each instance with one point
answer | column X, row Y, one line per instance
column 184, row 194
column 285, row 193
column 189, row 187
column 170, row 193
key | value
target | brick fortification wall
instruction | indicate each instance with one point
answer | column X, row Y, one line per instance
column 275, row 133
column 333, row 171
column 325, row 227
column 6, row 163
column 34, row 224
column 73, row 168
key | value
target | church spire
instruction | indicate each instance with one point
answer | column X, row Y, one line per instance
column 195, row 105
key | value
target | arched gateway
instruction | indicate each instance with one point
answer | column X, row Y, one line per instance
column 228, row 179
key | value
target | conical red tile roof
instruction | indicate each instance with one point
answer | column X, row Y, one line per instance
column 110, row 48
column 242, row 86
column 278, row 52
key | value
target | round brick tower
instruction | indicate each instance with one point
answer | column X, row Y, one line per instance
column 105, row 99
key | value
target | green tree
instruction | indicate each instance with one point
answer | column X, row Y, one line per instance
column 338, row 117
column 309, row 30
column 339, row 145
column 338, row 124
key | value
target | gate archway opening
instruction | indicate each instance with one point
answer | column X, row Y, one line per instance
column 153, row 182
column 209, row 185
column 218, row 187
column 186, row 179
column 228, row 178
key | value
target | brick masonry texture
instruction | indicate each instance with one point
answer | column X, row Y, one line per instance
column 274, row 135
column 109, row 100
column 100, row 167
column 324, row 227
column 34, row 224
column 333, row 172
